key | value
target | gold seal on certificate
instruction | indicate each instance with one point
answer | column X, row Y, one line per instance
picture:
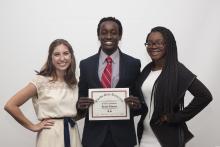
column 109, row 104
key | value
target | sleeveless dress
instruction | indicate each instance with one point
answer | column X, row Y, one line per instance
column 55, row 100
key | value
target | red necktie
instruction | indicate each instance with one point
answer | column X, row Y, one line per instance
column 107, row 74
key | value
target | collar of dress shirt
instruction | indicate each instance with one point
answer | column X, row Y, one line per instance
column 114, row 56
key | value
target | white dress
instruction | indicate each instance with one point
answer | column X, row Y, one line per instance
column 148, row 138
column 55, row 100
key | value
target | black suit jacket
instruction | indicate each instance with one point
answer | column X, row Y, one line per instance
column 123, row 131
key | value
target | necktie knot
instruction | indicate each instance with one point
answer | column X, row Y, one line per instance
column 108, row 59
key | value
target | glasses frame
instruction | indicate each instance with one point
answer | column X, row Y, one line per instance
column 157, row 44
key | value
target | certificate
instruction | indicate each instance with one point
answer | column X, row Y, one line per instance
column 109, row 104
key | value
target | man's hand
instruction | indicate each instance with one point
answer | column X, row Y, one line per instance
column 133, row 102
column 84, row 103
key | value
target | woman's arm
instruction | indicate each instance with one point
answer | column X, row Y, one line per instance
column 202, row 97
column 12, row 107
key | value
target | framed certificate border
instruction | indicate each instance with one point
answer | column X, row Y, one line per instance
column 109, row 104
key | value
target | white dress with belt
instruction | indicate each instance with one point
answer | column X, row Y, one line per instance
column 148, row 138
column 55, row 100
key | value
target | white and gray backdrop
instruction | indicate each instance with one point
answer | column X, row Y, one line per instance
column 27, row 27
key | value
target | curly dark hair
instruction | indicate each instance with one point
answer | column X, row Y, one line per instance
column 110, row 19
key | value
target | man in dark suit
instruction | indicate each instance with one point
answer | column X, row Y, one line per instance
column 124, row 72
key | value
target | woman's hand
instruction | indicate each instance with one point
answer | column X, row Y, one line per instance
column 44, row 124
column 162, row 120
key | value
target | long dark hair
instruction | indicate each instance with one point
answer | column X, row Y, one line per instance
column 165, row 88
column 48, row 69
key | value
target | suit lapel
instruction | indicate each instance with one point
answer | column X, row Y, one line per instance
column 121, row 68
column 95, row 68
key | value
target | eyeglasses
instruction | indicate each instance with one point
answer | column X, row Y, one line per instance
column 157, row 44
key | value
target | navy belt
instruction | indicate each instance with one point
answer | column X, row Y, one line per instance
column 67, row 121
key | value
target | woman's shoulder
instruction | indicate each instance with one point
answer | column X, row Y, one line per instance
column 185, row 77
column 183, row 71
column 147, row 68
column 39, row 80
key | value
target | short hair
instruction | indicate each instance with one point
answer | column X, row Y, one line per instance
column 113, row 19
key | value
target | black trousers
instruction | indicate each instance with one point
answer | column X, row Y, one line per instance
column 108, row 141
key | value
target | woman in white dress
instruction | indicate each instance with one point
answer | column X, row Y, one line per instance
column 54, row 94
